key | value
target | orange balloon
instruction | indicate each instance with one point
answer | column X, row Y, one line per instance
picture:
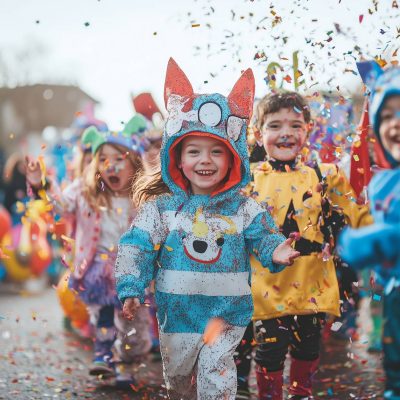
column 72, row 305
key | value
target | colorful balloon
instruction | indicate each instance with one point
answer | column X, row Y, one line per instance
column 5, row 222
column 71, row 304
column 16, row 270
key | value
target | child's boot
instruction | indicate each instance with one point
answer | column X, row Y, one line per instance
column 103, row 356
column 301, row 373
column 269, row 384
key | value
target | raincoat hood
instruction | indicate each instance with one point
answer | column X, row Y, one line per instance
column 381, row 84
column 212, row 115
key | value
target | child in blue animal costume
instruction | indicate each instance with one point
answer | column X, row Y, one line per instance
column 195, row 240
column 378, row 246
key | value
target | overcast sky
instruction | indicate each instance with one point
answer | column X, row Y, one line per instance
column 111, row 48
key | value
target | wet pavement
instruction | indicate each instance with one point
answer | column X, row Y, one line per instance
column 40, row 360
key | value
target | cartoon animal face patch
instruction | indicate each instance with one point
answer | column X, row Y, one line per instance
column 203, row 238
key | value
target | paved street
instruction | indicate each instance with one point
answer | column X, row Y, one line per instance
column 39, row 360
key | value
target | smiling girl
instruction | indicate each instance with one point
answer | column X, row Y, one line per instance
column 194, row 236
column 100, row 204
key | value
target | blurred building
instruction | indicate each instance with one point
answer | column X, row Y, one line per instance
column 26, row 111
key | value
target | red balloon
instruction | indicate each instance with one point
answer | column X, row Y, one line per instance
column 5, row 221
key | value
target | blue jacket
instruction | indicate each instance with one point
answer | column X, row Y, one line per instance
column 378, row 245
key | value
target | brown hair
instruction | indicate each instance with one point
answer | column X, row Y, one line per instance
column 148, row 186
column 273, row 102
column 95, row 192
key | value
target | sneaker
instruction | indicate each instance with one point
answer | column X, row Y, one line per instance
column 102, row 365
column 123, row 376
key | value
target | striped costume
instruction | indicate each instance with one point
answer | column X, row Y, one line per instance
column 197, row 247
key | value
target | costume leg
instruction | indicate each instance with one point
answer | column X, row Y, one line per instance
column 305, row 343
column 179, row 353
column 272, row 337
column 102, row 318
column 217, row 376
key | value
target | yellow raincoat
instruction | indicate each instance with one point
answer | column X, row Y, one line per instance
column 310, row 284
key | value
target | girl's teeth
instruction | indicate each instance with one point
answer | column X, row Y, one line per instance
column 205, row 172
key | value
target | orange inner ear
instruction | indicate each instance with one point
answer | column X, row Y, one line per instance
column 177, row 176
column 176, row 82
column 242, row 95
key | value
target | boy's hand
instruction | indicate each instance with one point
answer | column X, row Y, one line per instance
column 131, row 305
column 33, row 173
column 285, row 253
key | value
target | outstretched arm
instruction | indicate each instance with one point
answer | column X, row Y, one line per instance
column 369, row 246
column 264, row 240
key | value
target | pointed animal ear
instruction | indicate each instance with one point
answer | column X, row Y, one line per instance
column 369, row 72
column 242, row 94
column 176, row 82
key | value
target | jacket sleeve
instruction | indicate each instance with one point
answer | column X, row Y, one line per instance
column 261, row 234
column 137, row 253
column 369, row 246
column 342, row 195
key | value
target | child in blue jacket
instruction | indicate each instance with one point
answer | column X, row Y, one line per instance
column 195, row 240
column 378, row 246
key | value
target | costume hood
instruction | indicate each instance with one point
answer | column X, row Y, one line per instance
column 381, row 84
column 223, row 118
column 129, row 137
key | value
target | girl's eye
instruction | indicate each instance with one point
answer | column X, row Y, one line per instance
column 386, row 116
column 217, row 151
column 193, row 151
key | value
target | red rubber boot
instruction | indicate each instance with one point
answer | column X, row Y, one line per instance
column 269, row 384
column 301, row 373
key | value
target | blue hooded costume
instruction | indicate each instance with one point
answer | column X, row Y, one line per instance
column 197, row 247
column 378, row 246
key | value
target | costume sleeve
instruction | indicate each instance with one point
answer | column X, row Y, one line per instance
column 261, row 234
column 64, row 201
column 342, row 195
column 366, row 247
column 137, row 253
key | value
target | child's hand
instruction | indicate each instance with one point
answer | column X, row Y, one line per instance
column 131, row 305
column 33, row 173
column 285, row 253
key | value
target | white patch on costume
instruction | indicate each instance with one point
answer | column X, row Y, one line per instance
column 234, row 127
column 204, row 283
column 176, row 116
column 203, row 238
column 210, row 114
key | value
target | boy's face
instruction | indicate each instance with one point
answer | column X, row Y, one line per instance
column 389, row 128
column 283, row 134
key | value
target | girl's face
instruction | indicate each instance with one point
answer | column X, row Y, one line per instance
column 283, row 134
column 115, row 168
column 389, row 128
column 205, row 162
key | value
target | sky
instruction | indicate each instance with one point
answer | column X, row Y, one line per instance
column 112, row 48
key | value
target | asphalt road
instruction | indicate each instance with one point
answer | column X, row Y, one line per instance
column 40, row 360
